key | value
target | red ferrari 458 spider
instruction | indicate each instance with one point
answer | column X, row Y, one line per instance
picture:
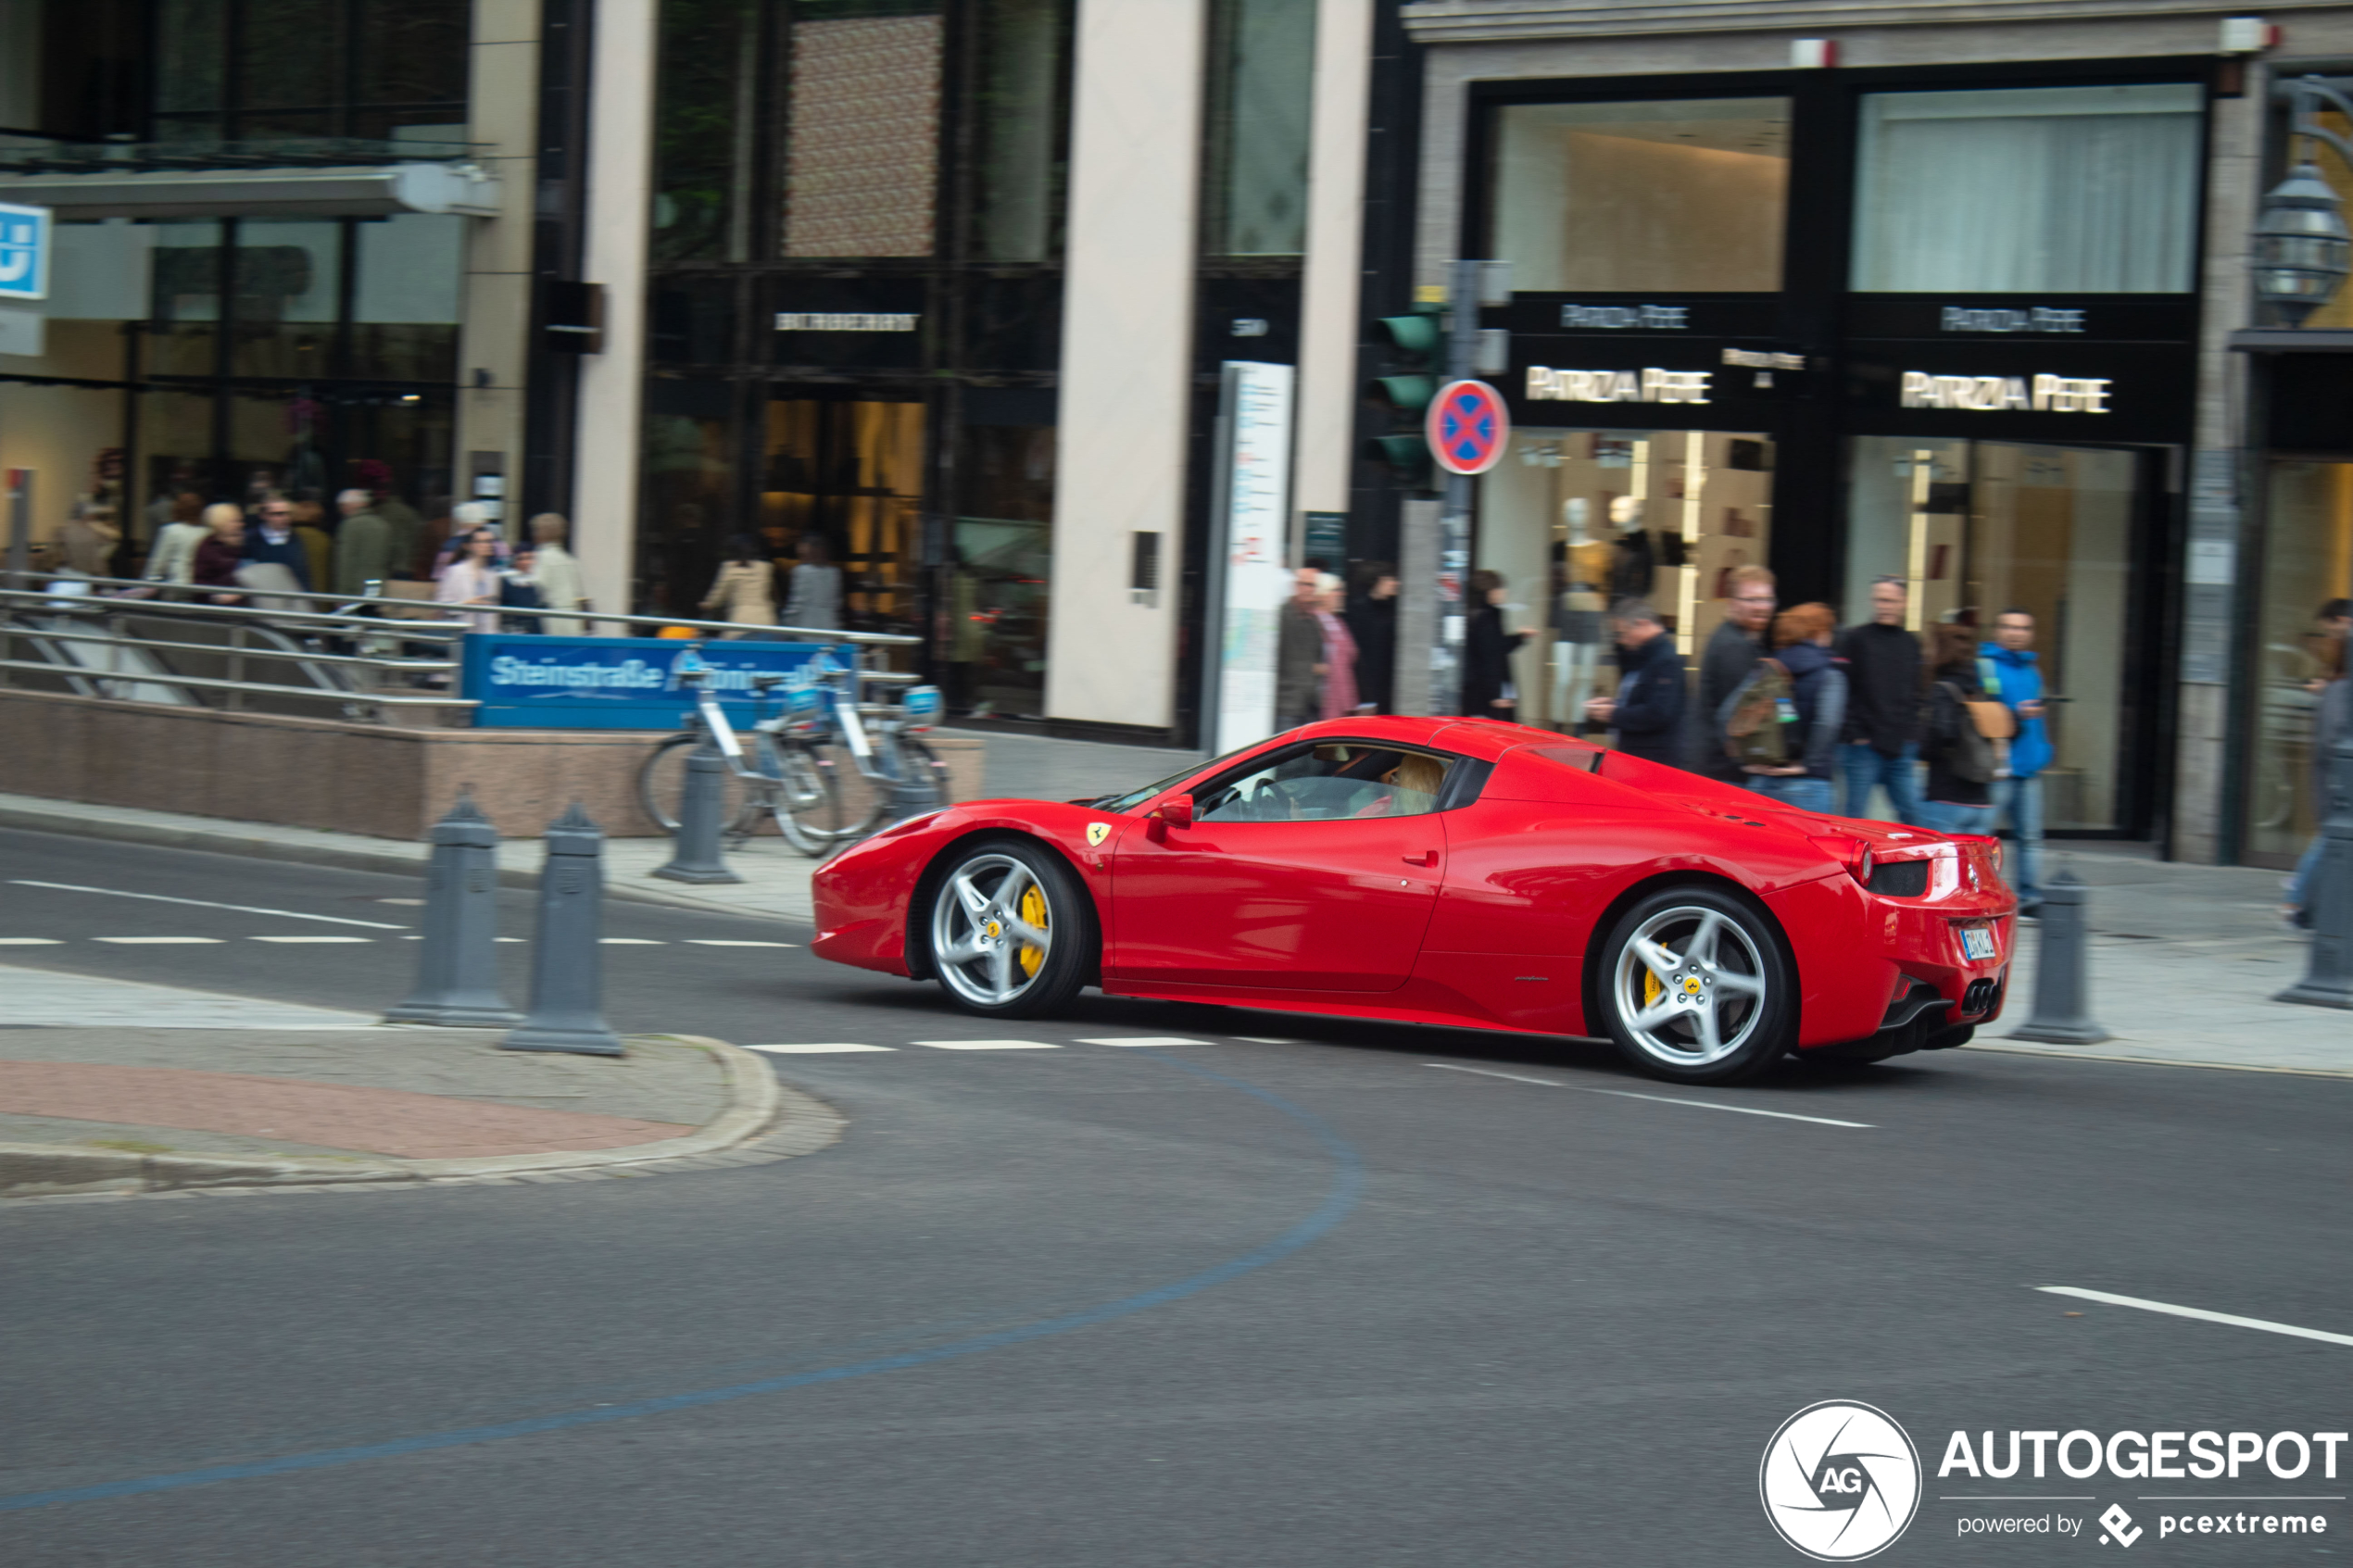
column 1453, row 872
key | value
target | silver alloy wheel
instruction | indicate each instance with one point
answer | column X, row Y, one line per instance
column 1689, row 985
column 990, row 911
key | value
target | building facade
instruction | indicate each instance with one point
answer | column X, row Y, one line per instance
column 1944, row 296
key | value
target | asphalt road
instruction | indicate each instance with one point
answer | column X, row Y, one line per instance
column 1334, row 1295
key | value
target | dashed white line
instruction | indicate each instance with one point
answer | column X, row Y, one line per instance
column 986, row 1044
column 160, row 941
column 314, row 940
column 717, row 942
column 1261, row 1040
column 203, row 904
column 1142, row 1040
column 30, row 942
column 2201, row 1314
column 630, row 942
column 1662, row 1099
column 830, row 1048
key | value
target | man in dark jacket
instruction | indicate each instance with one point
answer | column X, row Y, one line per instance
column 1883, row 707
column 273, row 541
column 1372, row 621
column 1645, row 717
column 1730, row 654
column 1299, row 648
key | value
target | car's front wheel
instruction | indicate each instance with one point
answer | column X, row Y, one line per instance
column 1697, row 987
column 1012, row 932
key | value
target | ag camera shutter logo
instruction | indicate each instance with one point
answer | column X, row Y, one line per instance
column 1840, row 1481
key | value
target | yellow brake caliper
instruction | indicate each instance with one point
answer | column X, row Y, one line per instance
column 1033, row 909
column 1651, row 989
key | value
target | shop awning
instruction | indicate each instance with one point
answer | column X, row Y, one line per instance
column 2292, row 340
column 362, row 191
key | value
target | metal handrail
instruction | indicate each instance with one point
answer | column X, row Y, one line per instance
column 300, row 656
column 316, row 694
column 819, row 633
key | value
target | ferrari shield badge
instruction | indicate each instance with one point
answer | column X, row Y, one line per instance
column 1096, row 833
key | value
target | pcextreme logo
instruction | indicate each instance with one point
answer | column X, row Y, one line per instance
column 1840, row 1481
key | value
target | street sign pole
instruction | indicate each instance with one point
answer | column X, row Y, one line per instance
column 1455, row 512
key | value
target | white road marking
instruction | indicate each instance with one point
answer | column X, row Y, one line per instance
column 716, row 942
column 416, row 902
column 630, row 942
column 986, row 1044
column 1662, row 1099
column 160, row 941
column 506, row 940
column 204, row 904
column 817, row 1050
column 30, row 942
column 314, row 939
column 2234, row 1320
column 1261, row 1040
column 1144, row 1040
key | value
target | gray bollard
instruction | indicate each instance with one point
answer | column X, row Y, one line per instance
column 457, row 966
column 2061, row 989
column 567, row 963
column 697, row 856
column 2328, row 973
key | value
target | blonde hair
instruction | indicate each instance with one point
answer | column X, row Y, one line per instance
column 223, row 512
column 1419, row 772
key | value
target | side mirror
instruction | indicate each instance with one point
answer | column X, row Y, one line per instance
column 1177, row 813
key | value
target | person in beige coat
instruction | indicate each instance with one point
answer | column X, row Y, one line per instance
column 559, row 577
column 745, row 590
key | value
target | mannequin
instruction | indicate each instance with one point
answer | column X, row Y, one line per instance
column 1580, row 613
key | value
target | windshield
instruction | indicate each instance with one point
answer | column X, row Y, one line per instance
column 1136, row 798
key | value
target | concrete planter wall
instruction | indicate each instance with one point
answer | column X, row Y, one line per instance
column 332, row 774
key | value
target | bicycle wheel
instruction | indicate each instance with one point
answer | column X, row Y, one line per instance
column 808, row 801
column 661, row 784
column 919, row 765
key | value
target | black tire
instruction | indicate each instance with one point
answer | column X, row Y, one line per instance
column 1695, row 986
column 963, row 908
column 662, row 779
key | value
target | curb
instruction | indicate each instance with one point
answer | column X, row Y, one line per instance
column 234, row 839
column 761, row 1111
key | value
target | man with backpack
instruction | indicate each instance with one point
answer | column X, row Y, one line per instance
column 1782, row 725
column 1727, row 662
column 2007, row 669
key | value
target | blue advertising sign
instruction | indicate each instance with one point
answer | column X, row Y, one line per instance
column 527, row 682
column 24, row 253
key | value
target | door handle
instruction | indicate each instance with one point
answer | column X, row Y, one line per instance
column 1427, row 858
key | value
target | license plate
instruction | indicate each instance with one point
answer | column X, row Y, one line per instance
column 1977, row 942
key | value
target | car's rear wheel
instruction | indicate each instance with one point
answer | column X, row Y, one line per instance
column 1012, row 932
column 1697, row 987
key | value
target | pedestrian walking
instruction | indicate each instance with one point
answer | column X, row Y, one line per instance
column 518, row 600
column 221, row 553
column 1725, row 664
column 87, row 540
column 2332, row 719
column 472, row 581
column 1881, row 747
column 1337, row 671
column 813, row 594
column 1808, row 763
column 1372, row 621
column 1961, row 756
column 466, row 520
column 745, row 590
column 271, row 542
column 173, row 556
column 1299, row 648
column 2007, row 669
column 1488, row 692
column 363, row 544
column 1645, row 717
column 318, row 542
column 559, row 576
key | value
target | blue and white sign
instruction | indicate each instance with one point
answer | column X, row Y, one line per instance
column 24, row 252
column 525, row 681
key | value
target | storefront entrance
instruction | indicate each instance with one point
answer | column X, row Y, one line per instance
column 2307, row 562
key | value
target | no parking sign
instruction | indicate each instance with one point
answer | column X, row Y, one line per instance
column 1469, row 427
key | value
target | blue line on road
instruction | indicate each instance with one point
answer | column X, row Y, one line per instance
column 1347, row 1185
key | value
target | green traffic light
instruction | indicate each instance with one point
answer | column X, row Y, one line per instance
column 1408, row 394
column 1407, row 455
column 1413, row 334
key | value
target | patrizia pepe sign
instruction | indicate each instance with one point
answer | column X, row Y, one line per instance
column 1995, row 395
column 1648, row 385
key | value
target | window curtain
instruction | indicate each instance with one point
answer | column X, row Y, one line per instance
column 2060, row 190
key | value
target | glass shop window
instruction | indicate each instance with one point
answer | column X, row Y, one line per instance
column 2066, row 190
column 1669, row 198
column 1262, row 93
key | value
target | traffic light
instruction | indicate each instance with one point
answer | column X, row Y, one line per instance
column 1415, row 345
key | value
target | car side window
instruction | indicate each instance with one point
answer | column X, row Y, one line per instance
column 1333, row 782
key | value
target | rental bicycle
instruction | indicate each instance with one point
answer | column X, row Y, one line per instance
column 788, row 766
